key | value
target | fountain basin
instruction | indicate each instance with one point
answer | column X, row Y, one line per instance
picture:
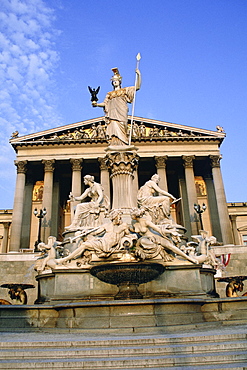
column 127, row 276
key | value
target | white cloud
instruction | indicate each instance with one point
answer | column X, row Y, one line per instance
column 28, row 59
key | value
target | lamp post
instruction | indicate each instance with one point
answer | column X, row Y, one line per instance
column 199, row 210
column 40, row 215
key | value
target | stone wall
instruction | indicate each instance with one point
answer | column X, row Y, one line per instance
column 18, row 268
column 237, row 265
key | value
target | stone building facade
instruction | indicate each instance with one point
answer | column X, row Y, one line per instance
column 51, row 164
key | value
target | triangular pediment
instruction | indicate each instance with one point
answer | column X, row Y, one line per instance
column 95, row 130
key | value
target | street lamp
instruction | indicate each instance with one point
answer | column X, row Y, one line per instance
column 199, row 210
column 40, row 215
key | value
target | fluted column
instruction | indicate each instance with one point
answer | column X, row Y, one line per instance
column 76, row 182
column 221, row 200
column 6, row 226
column 122, row 165
column 104, row 176
column 191, row 190
column 47, row 197
column 15, row 239
column 161, row 171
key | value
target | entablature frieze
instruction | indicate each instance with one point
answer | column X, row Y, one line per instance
column 76, row 163
column 94, row 150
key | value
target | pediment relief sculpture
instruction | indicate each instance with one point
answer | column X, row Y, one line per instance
column 141, row 131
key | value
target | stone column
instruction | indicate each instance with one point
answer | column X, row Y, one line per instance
column 184, row 204
column 27, row 214
column 122, row 165
column 191, row 191
column 135, row 185
column 233, row 219
column 76, row 182
column 212, row 207
column 104, row 176
column 161, row 171
column 15, row 239
column 47, row 197
column 225, row 224
column 6, row 226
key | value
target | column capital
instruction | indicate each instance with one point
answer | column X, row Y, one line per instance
column 215, row 160
column 21, row 166
column 103, row 163
column 233, row 217
column 76, row 164
column 188, row 161
column 122, row 162
column 160, row 161
column 48, row 165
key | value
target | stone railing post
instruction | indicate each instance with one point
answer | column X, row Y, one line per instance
column 6, row 226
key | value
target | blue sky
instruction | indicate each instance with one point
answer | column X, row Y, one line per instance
column 194, row 69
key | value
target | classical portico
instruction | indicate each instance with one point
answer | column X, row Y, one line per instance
column 51, row 164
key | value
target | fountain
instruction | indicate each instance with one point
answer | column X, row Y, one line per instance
column 125, row 263
column 133, row 250
column 127, row 276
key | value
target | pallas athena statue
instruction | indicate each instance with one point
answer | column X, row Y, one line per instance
column 115, row 107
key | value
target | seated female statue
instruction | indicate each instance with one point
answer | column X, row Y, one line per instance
column 87, row 214
column 155, row 200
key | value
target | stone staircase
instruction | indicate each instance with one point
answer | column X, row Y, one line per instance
column 213, row 349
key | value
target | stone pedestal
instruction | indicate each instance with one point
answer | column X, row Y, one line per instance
column 60, row 286
column 63, row 285
column 182, row 281
column 122, row 164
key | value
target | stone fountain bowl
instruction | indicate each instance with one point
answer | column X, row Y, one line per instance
column 127, row 276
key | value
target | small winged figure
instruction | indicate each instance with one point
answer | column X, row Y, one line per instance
column 94, row 93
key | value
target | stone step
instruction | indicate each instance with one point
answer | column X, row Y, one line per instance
column 61, row 341
column 192, row 360
column 127, row 351
column 217, row 349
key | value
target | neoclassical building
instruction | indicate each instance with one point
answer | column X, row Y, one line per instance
column 50, row 164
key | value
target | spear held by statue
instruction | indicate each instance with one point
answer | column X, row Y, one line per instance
column 138, row 58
